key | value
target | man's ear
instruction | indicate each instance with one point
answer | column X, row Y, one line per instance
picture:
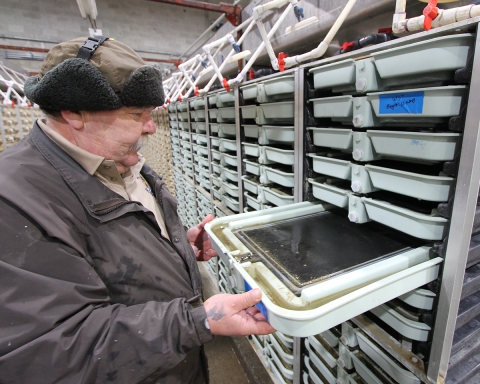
column 73, row 118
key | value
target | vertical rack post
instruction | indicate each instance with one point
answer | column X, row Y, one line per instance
column 465, row 200
column 297, row 360
column 299, row 103
column 236, row 93
column 209, row 156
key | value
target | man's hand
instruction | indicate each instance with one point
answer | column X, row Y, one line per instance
column 200, row 241
column 236, row 315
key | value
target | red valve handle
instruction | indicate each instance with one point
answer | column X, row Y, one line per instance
column 180, row 98
column 281, row 61
column 197, row 93
column 225, row 85
column 251, row 74
column 430, row 12
column 347, row 45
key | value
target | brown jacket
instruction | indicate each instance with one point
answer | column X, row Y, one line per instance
column 90, row 292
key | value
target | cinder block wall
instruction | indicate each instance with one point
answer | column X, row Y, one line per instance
column 143, row 25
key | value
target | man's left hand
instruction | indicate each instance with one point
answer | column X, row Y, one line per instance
column 200, row 241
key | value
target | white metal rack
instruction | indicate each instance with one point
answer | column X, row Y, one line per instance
column 420, row 349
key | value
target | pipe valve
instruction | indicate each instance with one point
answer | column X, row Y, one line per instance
column 298, row 13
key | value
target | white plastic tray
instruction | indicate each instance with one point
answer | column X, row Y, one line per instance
column 250, row 184
column 200, row 126
column 322, row 305
column 182, row 106
column 249, row 91
column 399, row 374
column 331, row 166
column 424, row 187
column 251, row 131
column 419, row 225
column 216, row 168
column 330, row 193
column 225, row 130
column 229, row 160
column 217, row 192
column 213, row 114
column 230, row 202
column 249, row 111
column 183, row 116
column 229, row 174
column 420, row 145
column 416, row 104
column 280, row 87
column 337, row 138
column 228, row 145
column 200, row 115
column 214, row 128
column 276, row 197
column 230, row 188
column 276, row 134
column 226, row 114
column 285, row 179
column 225, row 99
column 198, row 103
column 215, row 142
column 217, row 181
column 252, row 167
column 445, row 53
column 333, row 75
column 251, row 149
column 212, row 100
column 202, row 139
column 337, row 107
column 252, row 201
column 216, row 155
column 277, row 155
column 203, row 161
column 271, row 113
column 202, row 151
column 329, row 377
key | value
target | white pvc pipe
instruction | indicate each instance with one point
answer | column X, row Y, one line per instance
column 254, row 57
column 243, row 37
column 323, row 46
column 399, row 17
column 260, row 9
column 444, row 17
column 271, row 53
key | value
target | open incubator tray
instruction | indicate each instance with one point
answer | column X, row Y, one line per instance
column 315, row 268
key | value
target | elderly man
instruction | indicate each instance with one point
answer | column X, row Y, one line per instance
column 99, row 281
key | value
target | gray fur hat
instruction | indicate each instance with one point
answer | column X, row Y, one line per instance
column 115, row 76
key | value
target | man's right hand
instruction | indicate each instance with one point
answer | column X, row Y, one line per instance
column 236, row 315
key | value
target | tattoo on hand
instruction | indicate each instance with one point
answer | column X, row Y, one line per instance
column 216, row 313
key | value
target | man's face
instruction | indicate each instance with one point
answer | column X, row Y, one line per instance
column 116, row 135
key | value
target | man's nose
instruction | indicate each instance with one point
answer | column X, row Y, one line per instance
column 149, row 127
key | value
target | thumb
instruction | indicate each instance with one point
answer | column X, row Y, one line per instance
column 207, row 219
column 249, row 299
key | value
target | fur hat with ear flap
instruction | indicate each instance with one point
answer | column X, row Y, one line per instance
column 112, row 77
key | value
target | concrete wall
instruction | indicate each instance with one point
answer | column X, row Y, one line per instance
column 143, row 25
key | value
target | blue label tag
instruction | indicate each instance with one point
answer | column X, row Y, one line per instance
column 402, row 103
column 261, row 307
